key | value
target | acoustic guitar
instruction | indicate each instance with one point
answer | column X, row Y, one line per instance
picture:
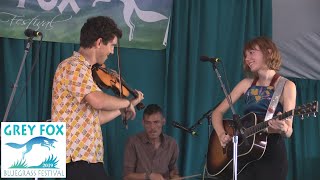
column 220, row 160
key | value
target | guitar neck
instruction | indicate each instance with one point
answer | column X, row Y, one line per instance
column 300, row 111
column 263, row 125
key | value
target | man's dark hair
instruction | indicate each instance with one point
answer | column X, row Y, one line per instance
column 98, row 27
column 152, row 109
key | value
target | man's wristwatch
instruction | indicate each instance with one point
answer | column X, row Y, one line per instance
column 147, row 176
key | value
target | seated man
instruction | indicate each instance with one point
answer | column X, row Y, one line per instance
column 151, row 154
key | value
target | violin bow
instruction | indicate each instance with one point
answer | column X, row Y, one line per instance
column 124, row 118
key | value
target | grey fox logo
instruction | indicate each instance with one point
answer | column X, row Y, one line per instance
column 43, row 141
column 130, row 6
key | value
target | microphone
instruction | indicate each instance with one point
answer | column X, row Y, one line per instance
column 180, row 126
column 206, row 58
column 32, row 33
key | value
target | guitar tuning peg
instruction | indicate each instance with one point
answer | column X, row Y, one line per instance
column 302, row 118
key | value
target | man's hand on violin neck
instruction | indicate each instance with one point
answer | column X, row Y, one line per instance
column 138, row 99
column 130, row 112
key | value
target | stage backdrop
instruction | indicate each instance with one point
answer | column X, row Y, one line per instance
column 144, row 23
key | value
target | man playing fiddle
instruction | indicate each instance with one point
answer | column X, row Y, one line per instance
column 79, row 102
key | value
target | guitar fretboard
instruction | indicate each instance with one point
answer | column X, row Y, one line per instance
column 263, row 125
column 302, row 110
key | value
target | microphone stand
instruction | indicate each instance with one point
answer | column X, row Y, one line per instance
column 238, row 128
column 26, row 51
column 207, row 116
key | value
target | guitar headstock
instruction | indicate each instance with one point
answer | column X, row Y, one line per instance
column 307, row 109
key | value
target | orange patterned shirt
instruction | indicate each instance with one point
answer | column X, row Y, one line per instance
column 72, row 82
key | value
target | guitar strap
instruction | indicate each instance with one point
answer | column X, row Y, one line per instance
column 275, row 98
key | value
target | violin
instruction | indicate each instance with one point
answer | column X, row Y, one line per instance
column 109, row 79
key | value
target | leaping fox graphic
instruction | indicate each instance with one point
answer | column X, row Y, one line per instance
column 130, row 6
column 43, row 141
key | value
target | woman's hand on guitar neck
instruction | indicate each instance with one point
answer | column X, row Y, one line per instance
column 279, row 126
column 224, row 139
